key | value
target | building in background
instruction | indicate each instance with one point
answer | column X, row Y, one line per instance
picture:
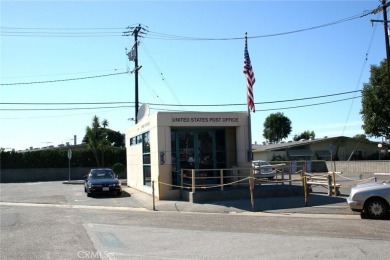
column 336, row 148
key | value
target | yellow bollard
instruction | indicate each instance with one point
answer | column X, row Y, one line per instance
column 154, row 204
column 251, row 184
column 193, row 180
column 305, row 189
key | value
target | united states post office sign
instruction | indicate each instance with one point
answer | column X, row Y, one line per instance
column 204, row 120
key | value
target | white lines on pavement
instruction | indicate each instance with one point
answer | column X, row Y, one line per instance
column 300, row 215
column 70, row 206
column 260, row 214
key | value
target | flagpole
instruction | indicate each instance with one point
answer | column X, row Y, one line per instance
column 250, row 157
column 249, row 122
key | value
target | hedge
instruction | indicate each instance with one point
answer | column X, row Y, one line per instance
column 59, row 158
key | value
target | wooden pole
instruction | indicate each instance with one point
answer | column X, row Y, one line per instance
column 304, row 181
column 251, row 184
column 193, row 179
column 154, row 205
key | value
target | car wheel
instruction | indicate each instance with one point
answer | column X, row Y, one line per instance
column 85, row 189
column 376, row 208
column 363, row 215
column 89, row 194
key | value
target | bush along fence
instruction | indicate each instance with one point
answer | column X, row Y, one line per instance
column 59, row 158
column 54, row 165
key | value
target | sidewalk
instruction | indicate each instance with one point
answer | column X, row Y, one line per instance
column 318, row 203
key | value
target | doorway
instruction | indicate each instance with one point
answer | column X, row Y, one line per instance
column 197, row 149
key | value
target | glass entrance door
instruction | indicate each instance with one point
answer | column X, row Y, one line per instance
column 186, row 150
column 194, row 149
column 205, row 152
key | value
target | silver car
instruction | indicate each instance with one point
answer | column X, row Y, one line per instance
column 263, row 169
column 372, row 200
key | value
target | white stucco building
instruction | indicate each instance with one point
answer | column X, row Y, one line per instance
column 160, row 145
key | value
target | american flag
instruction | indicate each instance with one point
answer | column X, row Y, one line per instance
column 250, row 78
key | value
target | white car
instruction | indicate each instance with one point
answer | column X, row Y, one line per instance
column 263, row 169
column 371, row 199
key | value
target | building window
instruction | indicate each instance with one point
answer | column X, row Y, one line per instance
column 146, row 142
column 144, row 139
column 146, row 159
column 133, row 141
column 175, row 173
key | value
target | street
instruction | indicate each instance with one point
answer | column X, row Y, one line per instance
column 60, row 225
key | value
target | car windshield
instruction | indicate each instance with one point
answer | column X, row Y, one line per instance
column 260, row 163
column 102, row 174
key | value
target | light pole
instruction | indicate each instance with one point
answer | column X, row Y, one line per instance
column 69, row 157
column 379, row 150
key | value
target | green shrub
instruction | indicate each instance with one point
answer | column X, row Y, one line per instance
column 59, row 158
column 119, row 169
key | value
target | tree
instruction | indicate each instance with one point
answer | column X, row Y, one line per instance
column 105, row 123
column 94, row 138
column 305, row 135
column 361, row 137
column 99, row 138
column 276, row 127
column 375, row 103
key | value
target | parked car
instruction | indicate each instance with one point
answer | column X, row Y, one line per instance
column 372, row 200
column 263, row 169
column 102, row 181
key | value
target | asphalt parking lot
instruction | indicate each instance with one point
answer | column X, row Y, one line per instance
column 72, row 195
column 57, row 220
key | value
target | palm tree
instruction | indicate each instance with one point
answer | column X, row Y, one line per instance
column 96, row 139
column 105, row 123
column 95, row 122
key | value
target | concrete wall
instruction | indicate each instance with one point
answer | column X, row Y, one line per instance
column 62, row 174
column 359, row 166
column 42, row 174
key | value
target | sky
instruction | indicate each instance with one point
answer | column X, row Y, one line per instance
column 56, row 55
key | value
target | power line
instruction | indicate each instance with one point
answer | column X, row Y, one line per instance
column 154, row 93
column 163, row 36
column 310, row 105
column 60, row 32
column 62, row 80
column 299, row 99
column 188, row 105
column 59, row 74
column 57, row 109
column 56, row 116
column 94, row 32
column 160, row 72
column 360, row 77
column 89, row 108
column 58, row 28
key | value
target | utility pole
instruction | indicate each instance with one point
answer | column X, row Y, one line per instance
column 383, row 8
column 133, row 56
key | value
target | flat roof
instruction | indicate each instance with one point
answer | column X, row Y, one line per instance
column 292, row 144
